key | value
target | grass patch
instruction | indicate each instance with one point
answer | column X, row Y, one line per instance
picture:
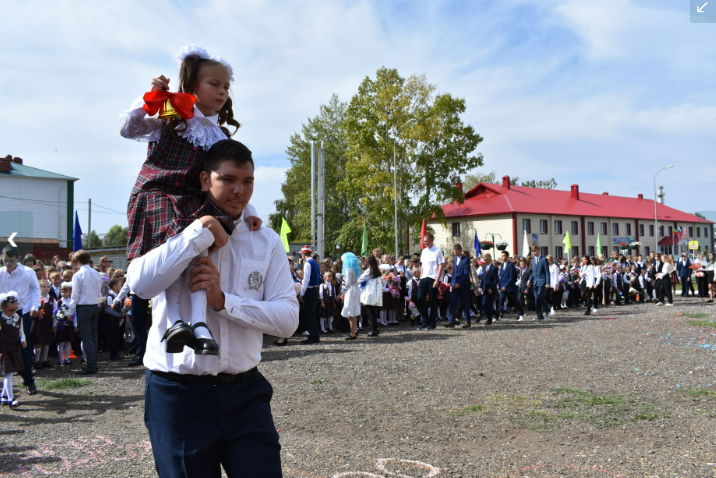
column 319, row 381
column 698, row 392
column 546, row 411
column 469, row 410
column 63, row 383
column 702, row 323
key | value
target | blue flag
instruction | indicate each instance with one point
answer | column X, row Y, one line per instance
column 77, row 235
column 478, row 251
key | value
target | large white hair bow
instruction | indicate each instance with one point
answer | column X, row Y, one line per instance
column 199, row 52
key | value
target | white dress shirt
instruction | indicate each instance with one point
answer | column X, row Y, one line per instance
column 86, row 288
column 553, row 275
column 17, row 281
column 258, row 289
column 306, row 278
column 430, row 259
column 33, row 298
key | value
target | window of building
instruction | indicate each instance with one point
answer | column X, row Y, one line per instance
column 455, row 228
column 575, row 251
column 615, row 249
column 604, row 229
column 691, row 232
column 615, row 229
column 647, row 251
column 641, row 230
column 698, row 232
column 526, row 226
column 591, row 251
column 575, row 228
column 544, row 251
column 590, row 228
column 706, row 232
column 605, row 251
column 543, row 226
column 661, row 231
column 651, row 230
column 558, row 227
column 558, row 252
column 628, row 229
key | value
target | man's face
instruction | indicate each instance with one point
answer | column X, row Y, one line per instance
column 487, row 260
column 505, row 258
column 428, row 242
column 229, row 186
column 376, row 253
column 10, row 262
column 457, row 252
column 56, row 281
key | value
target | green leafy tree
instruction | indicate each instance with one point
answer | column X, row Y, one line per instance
column 472, row 180
column 116, row 236
column 94, row 240
column 390, row 120
column 328, row 126
column 698, row 214
column 433, row 149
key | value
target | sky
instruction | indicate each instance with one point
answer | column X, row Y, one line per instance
column 601, row 93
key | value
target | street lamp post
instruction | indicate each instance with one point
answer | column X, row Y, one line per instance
column 395, row 183
column 656, row 222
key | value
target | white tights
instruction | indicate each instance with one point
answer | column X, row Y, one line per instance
column 198, row 303
column 41, row 353
column 63, row 349
column 7, row 387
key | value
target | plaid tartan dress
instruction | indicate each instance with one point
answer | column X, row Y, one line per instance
column 167, row 196
column 10, row 347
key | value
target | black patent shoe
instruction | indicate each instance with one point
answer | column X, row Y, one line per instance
column 374, row 333
column 178, row 336
column 203, row 346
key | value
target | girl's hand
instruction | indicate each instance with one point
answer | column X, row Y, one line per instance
column 161, row 82
column 254, row 223
column 24, row 344
column 215, row 227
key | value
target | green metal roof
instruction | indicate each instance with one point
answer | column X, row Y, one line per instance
column 30, row 172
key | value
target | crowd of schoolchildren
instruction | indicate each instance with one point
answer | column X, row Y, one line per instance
column 586, row 283
column 40, row 318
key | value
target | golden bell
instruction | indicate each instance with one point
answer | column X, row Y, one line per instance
column 167, row 111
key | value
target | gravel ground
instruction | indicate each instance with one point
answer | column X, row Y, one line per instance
column 629, row 392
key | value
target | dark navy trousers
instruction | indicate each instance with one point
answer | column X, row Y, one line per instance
column 195, row 429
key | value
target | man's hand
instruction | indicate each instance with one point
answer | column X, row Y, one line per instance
column 24, row 344
column 504, row 289
column 54, row 329
column 489, row 291
column 300, row 297
column 456, row 286
column 215, row 227
column 205, row 276
column 436, row 284
column 33, row 313
column 529, row 283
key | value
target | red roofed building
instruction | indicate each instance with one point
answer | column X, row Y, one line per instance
column 507, row 211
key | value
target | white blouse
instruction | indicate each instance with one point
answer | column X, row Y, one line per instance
column 202, row 131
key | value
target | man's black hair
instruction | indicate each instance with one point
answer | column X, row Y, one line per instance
column 11, row 251
column 227, row 150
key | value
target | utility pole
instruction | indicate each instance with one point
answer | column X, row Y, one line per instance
column 313, row 195
column 89, row 223
column 321, row 198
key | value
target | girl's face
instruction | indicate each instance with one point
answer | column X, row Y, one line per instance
column 66, row 294
column 584, row 261
column 10, row 308
column 44, row 288
column 212, row 90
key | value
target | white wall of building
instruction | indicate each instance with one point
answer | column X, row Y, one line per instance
column 42, row 211
column 485, row 226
